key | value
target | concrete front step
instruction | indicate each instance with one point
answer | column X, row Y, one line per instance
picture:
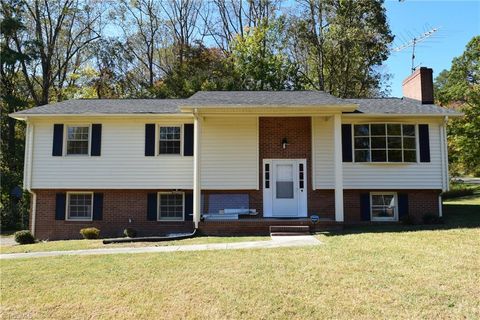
column 290, row 230
column 277, row 234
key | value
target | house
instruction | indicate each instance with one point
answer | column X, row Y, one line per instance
column 235, row 162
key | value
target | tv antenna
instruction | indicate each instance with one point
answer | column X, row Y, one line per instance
column 414, row 42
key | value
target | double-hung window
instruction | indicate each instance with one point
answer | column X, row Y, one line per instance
column 385, row 142
column 170, row 140
column 77, row 140
column 171, row 206
column 79, row 206
column 383, row 206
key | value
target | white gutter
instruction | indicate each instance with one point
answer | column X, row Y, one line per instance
column 25, row 117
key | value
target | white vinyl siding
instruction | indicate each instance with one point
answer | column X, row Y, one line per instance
column 122, row 165
column 229, row 153
column 323, row 150
column 426, row 175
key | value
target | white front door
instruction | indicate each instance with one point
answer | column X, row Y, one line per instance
column 285, row 192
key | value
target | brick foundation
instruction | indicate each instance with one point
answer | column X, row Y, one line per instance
column 118, row 207
column 121, row 205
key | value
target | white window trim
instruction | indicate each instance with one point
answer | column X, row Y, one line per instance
column 183, row 206
column 395, row 197
column 157, row 139
column 67, row 209
column 417, row 145
column 65, row 139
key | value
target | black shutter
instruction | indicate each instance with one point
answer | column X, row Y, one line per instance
column 96, row 140
column 97, row 206
column 60, row 203
column 347, row 143
column 149, row 140
column 188, row 206
column 365, row 206
column 152, row 207
column 57, row 148
column 402, row 205
column 188, row 139
column 424, row 139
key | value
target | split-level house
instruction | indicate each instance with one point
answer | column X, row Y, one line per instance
column 235, row 162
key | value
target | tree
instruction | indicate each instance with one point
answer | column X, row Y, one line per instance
column 12, row 99
column 259, row 58
column 231, row 17
column 145, row 36
column 459, row 88
column 339, row 45
column 203, row 69
column 58, row 32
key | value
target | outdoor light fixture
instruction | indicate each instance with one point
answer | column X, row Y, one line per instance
column 284, row 143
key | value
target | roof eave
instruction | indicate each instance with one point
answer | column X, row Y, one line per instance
column 405, row 114
column 26, row 116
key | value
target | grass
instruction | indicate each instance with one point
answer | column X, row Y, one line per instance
column 63, row 245
column 398, row 273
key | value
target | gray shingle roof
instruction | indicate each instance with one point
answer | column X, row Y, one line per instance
column 233, row 99
column 108, row 106
column 263, row 98
column 398, row 106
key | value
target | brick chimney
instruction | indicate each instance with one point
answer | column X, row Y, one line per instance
column 419, row 86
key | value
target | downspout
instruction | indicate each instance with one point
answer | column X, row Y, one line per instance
column 196, row 169
column 28, row 174
column 445, row 141
column 444, row 161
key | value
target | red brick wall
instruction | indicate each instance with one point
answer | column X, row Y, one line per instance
column 298, row 132
column 419, row 85
column 118, row 207
column 420, row 202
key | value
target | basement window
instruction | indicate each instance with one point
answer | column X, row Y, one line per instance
column 79, row 206
column 383, row 206
column 171, row 206
column 385, row 142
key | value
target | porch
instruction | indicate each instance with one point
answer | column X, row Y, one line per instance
column 261, row 226
column 269, row 172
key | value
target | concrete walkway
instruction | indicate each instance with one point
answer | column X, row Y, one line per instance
column 275, row 242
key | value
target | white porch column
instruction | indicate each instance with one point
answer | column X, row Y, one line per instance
column 197, row 123
column 338, row 163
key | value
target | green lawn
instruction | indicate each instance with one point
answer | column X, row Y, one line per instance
column 96, row 244
column 399, row 273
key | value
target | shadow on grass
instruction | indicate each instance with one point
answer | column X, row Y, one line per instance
column 456, row 216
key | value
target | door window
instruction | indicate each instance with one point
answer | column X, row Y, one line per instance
column 284, row 183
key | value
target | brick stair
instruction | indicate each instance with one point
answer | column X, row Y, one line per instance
column 289, row 230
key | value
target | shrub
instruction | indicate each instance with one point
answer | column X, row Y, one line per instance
column 408, row 220
column 432, row 219
column 90, row 233
column 455, row 193
column 130, row 232
column 24, row 237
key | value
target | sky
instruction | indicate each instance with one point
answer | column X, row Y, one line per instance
column 458, row 23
